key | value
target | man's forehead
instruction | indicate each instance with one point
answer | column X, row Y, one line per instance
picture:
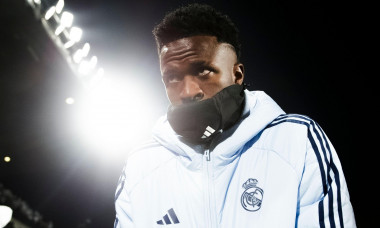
column 194, row 49
column 192, row 43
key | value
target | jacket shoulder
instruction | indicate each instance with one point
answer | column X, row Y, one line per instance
column 145, row 159
column 288, row 136
column 294, row 119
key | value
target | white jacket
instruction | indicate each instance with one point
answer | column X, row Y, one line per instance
column 270, row 170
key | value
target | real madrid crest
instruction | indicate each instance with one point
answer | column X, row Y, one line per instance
column 252, row 197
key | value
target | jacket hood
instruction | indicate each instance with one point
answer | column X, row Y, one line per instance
column 259, row 110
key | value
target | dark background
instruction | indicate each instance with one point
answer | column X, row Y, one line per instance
column 307, row 55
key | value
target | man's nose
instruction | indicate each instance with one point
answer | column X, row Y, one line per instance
column 190, row 90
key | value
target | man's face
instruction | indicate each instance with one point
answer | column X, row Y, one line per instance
column 196, row 68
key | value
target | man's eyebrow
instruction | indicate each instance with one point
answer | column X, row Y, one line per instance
column 199, row 63
column 168, row 72
column 194, row 65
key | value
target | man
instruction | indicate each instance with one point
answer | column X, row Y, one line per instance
column 224, row 156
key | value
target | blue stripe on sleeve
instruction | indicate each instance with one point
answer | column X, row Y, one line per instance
column 116, row 222
column 120, row 183
column 321, row 214
column 322, row 140
column 337, row 179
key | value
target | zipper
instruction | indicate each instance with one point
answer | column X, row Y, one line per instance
column 210, row 213
column 207, row 155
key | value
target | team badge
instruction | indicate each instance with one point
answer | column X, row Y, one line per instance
column 252, row 197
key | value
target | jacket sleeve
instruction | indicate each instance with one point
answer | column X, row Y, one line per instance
column 323, row 199
column 122, row 205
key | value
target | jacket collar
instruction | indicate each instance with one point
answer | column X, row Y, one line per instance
column 259, row 111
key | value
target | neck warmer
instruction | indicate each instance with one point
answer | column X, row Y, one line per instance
column 198, row 122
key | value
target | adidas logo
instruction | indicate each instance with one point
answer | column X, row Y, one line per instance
column 166, row 220
column 209, row 130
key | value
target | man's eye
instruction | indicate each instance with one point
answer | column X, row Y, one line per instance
column 204, row 72
column 172, row 79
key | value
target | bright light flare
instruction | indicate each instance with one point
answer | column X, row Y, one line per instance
column 59, row 7
column 100, row 72
column 70, row 101
column 84, row 67
column 69, row 44
column 7, row 159
column 96, row 79
column 93, row 62
column 5, row 215
column 81, row 53
column 49, row 13
column 86, row 49
column 59, row 30
column 78, row 56
column 75, row 34
column 116, row 115
column 66, row 21
column 37, row 1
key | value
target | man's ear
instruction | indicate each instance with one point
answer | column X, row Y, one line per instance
column 238, row 73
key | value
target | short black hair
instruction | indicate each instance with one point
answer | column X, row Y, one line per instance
column 197, row 19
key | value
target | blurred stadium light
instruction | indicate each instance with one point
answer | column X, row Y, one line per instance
column 58, row 24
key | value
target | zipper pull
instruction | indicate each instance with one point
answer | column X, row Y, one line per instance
column 207, row 154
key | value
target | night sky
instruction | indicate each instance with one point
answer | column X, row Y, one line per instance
column 307, row 55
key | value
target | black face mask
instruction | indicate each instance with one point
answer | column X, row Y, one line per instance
column 198, row 122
